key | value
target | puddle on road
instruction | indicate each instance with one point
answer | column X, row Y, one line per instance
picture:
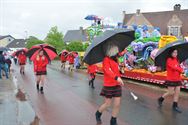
column 25, row 113
column 20, row 95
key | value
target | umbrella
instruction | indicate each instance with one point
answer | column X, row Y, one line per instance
column 73, row 53
column 180, row 45
column 19, row 51
column 4, row 49
column 96, row 51
column 49, row 51
column 92, row 17
column 64, row 52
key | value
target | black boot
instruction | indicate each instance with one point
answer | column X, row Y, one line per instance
column 37, row 86
column 160, row 101
column 176, row 108
column 41, row 90
column 98, row 117
column 113, row 121
column 89, row 82
column 92, row 84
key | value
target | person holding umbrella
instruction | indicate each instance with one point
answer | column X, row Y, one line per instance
column 105, row 48
column 70, row 58
column 22, row 61
column 40, row 64
column 92, row 69
column 8, row 62
column 2, row 65
column 112, row 85
column 41, row 55
column 63, row 57
column 169, row 58
column 173, row 80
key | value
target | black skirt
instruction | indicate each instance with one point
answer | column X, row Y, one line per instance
column 110, row 92
column 21, row 64
column 41, row 73
column 173, row 83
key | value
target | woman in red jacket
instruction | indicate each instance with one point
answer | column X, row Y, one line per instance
column 40, row 64
column 112, row 85
column 173, row 79
column 92, row 69
column 22, row 61
column 71, row 61
column 63, row 59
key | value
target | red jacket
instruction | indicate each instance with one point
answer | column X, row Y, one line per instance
column 111, row 72
column 70, row 58
column 173, row 70
column 63, row 58
column 22, row 58
column 41, row 64
column 92, row 68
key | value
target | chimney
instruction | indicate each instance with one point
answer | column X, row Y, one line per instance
column 138, row 12
column 177, row 7
column 82, row 30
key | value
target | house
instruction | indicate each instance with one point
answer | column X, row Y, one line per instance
column 17, row 44
column 76, row 35
column 170, row 22
column 5, row 40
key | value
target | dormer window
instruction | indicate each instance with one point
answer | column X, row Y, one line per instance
column 174, row 26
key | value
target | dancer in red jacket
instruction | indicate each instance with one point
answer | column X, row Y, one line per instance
column 92, row 69
column 22, row 61
column 112, row 85
column 63, row 59
column 173, row 79
column 40, row 64
column 70, row 58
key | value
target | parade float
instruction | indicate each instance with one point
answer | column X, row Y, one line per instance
column 138, row 60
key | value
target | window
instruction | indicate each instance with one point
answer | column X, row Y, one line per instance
column 175, row 30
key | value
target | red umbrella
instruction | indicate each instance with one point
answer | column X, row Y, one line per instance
column 19, row 51
column 64, row 52
column 73, row 53
column 49, row 51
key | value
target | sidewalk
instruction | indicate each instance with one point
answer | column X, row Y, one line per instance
column 14, row 107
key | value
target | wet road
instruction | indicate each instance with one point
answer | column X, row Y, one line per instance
column 68, row 100
column 14, row 107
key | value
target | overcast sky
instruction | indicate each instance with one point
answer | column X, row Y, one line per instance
column 38, row 16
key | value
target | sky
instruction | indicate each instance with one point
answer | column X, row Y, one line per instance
column 23, row 18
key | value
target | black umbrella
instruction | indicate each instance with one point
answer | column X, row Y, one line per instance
column 96, row 51
column 162, row 54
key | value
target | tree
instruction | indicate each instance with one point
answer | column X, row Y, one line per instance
column 85, row 46
column 75, row 46
column 31, row 41
column 55, row 38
